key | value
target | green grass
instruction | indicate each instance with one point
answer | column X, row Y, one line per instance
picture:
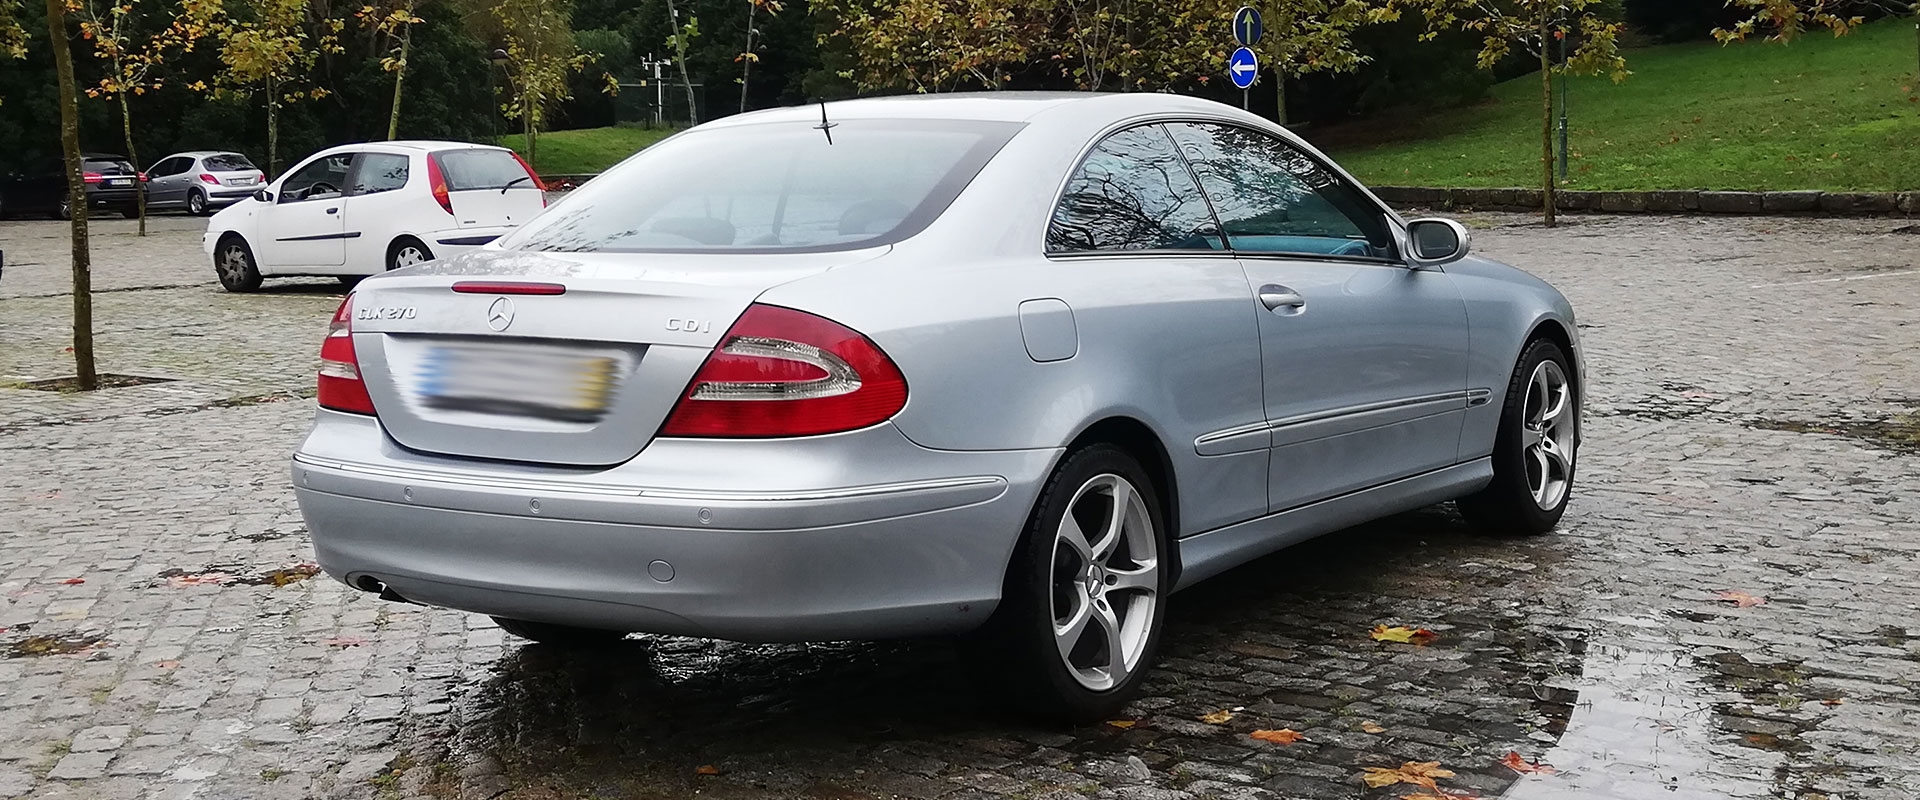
column 1821, row 113
column 585, row 151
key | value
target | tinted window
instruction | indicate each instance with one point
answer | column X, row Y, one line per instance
column 1272, row 198
column 786, row 186
column 106, row 166
column 228, row 162
column 322, row 178
column 379, row 172
column 174, row 165
column 1132, row 193
column 480, row 169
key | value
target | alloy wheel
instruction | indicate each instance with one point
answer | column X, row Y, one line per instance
column 1106, row 581
column 196, row 204
column 1547, row 431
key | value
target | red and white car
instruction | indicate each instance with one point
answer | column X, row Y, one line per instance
column 362, row 209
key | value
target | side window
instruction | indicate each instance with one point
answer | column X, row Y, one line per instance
column 177, row 165
column 320, row 180
column 1273, row 198
column 378, row 172
column 1132, row 193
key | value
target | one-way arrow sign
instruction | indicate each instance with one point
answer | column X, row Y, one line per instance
column 1243, row 67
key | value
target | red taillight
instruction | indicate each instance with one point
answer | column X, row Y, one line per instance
column 781, row 372
column 537, row 184
column 439, row 184
column 143, row 177
column 209, row 179
column 341, row 388
column 92, row 177
column 508, row 287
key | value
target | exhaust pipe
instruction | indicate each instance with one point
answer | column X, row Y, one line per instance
column 373, row 585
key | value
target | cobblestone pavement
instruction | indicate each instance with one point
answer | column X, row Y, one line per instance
column 1752, row 428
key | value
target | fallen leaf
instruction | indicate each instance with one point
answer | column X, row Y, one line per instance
column 344, row 641
column 1123, row 724
column 1403, row 634
column 200, row 579
column 1741, row 599
column 1418, row 773
column 166, row 664
column 74, row 581
column 1282, row 736
column 1372, row 727
column 706, row 769
column 1217, row 718
column 1831, row 701
column 1514, row 762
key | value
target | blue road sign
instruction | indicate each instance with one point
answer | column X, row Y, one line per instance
column 1243, row 67
column 1247, row 26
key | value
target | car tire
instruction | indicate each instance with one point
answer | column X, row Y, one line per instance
column 563, row 635
column 233, row 262
column 1064, row 606
column 63, row 211
column 407, row 251
column 1535, row 453
column 196, row 203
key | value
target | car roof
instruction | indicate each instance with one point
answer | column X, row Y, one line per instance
column 986, row 106
column 102, row 156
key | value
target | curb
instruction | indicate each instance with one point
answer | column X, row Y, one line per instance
column 1848, row 204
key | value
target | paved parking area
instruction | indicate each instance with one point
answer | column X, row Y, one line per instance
column 1752, row 429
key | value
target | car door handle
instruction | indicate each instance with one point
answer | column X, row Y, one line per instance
column 334, row 210
column 1279, row 297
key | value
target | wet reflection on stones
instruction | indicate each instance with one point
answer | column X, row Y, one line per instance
column 1281, row 643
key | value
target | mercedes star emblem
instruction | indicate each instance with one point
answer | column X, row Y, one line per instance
column 500, row 314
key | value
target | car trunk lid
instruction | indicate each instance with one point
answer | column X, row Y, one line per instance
column 564, row 359
column 489, row 187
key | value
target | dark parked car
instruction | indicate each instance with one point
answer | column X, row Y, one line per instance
column 112, row 183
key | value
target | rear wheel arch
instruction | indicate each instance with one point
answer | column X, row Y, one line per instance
column 401, row 241
column 1146, row 447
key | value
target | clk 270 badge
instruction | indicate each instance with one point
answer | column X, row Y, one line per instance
column 392, row 312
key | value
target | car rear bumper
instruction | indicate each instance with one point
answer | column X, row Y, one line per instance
column 858, row 536
column 104, row 198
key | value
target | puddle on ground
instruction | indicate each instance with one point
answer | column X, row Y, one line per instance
column 1899, row 432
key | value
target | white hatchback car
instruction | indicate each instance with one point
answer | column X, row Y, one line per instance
column 362, row 209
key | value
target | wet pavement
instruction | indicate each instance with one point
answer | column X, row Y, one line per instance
column 1730, row 610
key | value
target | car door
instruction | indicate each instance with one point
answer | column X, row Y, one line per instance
column 1364, row 358
column 1140, row 277
column 305, row 226
column 163, row 182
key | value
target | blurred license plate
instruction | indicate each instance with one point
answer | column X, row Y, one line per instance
column 240, row 181
column 120, row 182
column 555, row 382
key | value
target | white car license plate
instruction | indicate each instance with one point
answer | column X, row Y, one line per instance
column 120, row 182
column 239, row 181
column 555, row 382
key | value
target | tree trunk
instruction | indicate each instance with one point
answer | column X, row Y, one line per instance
column 1546, row 124
column 84, row 375
column 746, row 59
column 273, row 130
column 526, row 125
column 680, row 60
column 126, row 128
column 399, row 78
column 1279, row 95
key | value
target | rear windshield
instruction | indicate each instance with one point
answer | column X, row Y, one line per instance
column 104, row 166
column 773, row 187
column 228, row 162
column 481, row 169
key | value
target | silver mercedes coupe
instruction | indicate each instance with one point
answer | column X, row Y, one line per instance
column 1014, row 366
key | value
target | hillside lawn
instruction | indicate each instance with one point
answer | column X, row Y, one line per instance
column 1825, row 113
column 1820, row 113
column 588, row 150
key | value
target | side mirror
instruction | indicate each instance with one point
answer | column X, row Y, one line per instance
column 263, row 196
column 1437, row 241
